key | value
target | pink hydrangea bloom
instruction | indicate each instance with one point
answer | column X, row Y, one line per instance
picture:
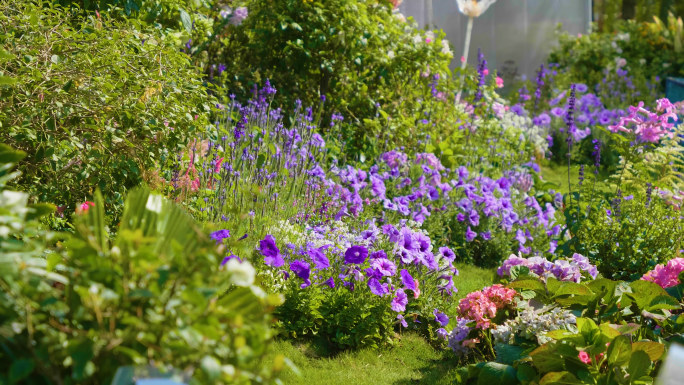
column 482, row 306
column 666, row 275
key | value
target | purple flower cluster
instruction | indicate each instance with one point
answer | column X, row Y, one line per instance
column 382, row 259
column 561, row 269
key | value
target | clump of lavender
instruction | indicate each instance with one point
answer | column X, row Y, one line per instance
column 538, row 90
column 251, row 162
column 570, row 124
column 481, row 73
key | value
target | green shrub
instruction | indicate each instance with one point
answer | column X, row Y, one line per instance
column 355, row 52
column 94, row 105
column 153, row 295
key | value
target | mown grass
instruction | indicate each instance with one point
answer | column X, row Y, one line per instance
column 411, row 360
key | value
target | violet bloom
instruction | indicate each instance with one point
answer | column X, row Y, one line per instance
column 377, row 288
column 270, row 251
column 239, row 15
column 330, row 282
column 355, row 254
column 470, row 234
column 400, row 301
column 442, row 333
column 407, row 280
column 319, row 259
column 385, row 267
column 447, row 253
column 220, row 235
column 402, row 320
column 301, row 269
column 441, row 318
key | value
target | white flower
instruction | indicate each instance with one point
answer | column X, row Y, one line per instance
column 446, row 50
column 400, row 16
column 473, row 8
column 620, row 62
column 390, row 54
column 417, row 39
column 242, row 273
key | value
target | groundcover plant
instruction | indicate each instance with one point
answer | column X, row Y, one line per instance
column 338, row 222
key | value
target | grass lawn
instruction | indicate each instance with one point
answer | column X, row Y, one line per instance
column 558, row 174
column 410, row 361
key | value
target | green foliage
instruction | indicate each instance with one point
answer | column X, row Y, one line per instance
column 651, row 51
column 356, row 53
column 152, row 295
column 339, row 319
column 95, row 104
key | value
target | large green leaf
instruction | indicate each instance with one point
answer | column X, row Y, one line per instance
column 496, row 373
column 619, row 351
column 559, row 378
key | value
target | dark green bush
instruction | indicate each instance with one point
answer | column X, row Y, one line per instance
column 94, row 105
column 355, row 52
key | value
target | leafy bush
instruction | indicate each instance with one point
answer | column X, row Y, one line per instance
column 649, row 51
column 152, row 295
column 356, row 54
column 94, row 105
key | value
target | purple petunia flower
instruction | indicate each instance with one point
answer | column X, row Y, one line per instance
column 270, row 251
column 441, row 318
column 355, row 254
column 330, row 282
column 377, row 288
column 442, row 333
column 384, row 266
column 470, row 234
column 407, row 280
column 220, row 235
column 402, row 320
column 399, row 301
column 447, row 253
column 319, row 259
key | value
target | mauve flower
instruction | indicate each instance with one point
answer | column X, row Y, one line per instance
column 355, row 254
column 407, row 280
column 402, row 321
column 441, row 318
column 442, row 333
column 330, row 282
column 384, row 266
column 319, row 259
column 270, row 251
column 470, row 234
column 220, row 235
column 399, row 301
column 447, row 253
column 377, row 288
column 301, row 269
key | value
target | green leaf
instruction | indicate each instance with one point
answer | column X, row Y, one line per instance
column 10, row 155
column 496, row 373
column 643, row 292
column 654, row 350
column 186, row 20
column 663, row 302
column 528, row 283
column 546, row 359
column 7, row 81
column 508, row 354
column 39, row 210
column 559, row 378
column 619, row 351
column 20, row 369
column 639, row 364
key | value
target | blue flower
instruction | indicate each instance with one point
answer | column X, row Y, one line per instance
column 220, row 235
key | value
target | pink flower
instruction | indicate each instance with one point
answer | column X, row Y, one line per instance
column 499, row 82
column 84, row 207
column 462, row 59
column 666, row 275
column 584, row 357
column 485, row 72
